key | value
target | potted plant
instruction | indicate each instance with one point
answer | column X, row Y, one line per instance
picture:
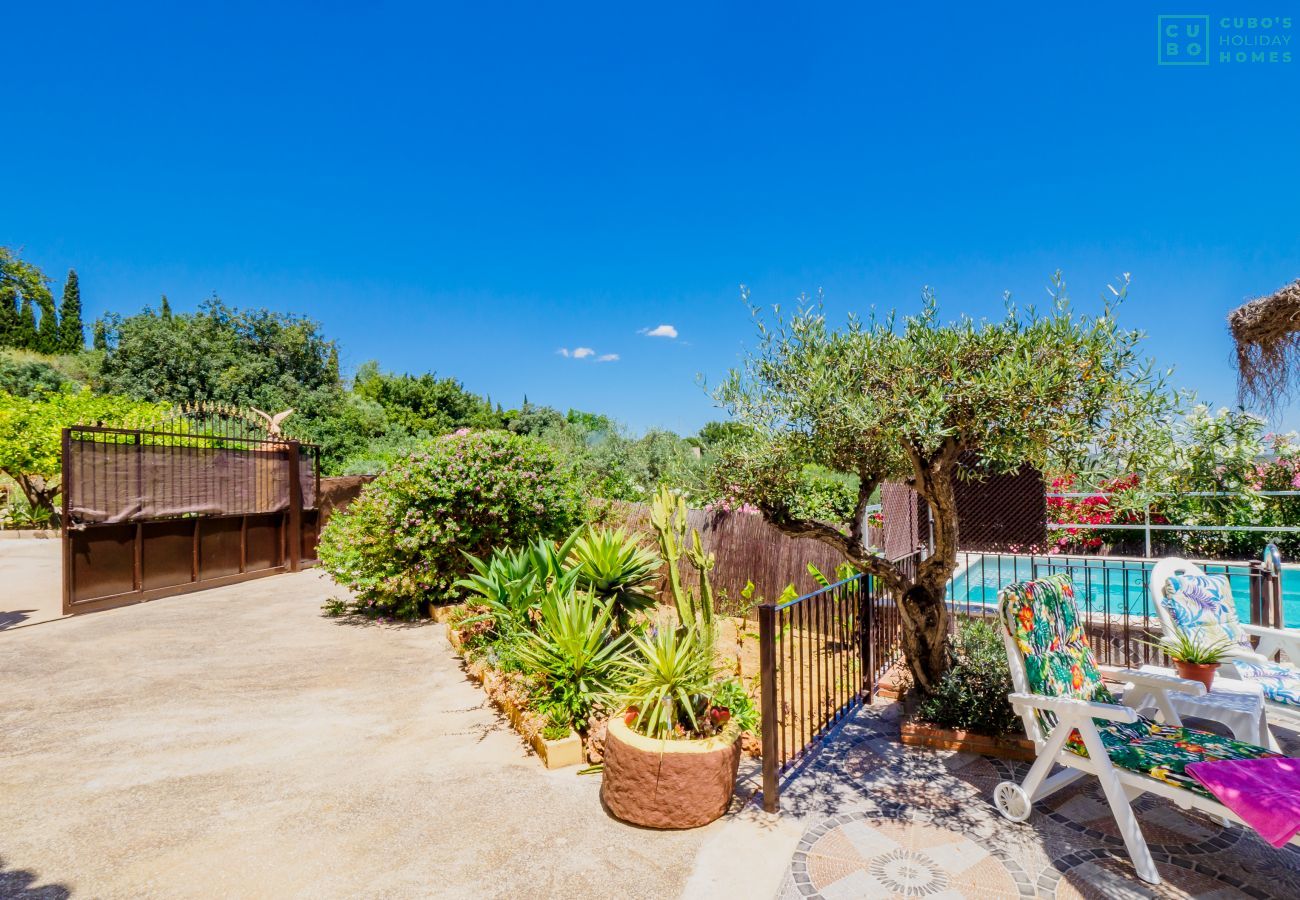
column 672, row 754
column 1194, row 659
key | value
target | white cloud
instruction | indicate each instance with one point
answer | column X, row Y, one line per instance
column 667, row 331
column 588, row 354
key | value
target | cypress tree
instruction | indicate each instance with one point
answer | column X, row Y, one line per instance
column 48, row 337
column 71, row 336
column 166, row 308
column 332, row 365
column 101, row 335
column 8, row 298
column 25, row 338
column 8, row 315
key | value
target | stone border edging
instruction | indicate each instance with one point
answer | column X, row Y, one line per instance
column 554, row 754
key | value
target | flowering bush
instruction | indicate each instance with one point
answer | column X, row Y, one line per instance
column 402, row 544
column 1117, row 503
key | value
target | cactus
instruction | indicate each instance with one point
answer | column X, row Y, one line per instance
column 668, row 516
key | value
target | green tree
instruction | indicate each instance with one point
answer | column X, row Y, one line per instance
column 49, row 339
column 31, row 431
column 165, row 308
column 100, row 340
column 219, row 354
column 423, row 403
column 71, row 336
column 27, row 336
column 23, row 288
column 889, row 399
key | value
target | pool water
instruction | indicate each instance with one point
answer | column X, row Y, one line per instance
column 1114, row 586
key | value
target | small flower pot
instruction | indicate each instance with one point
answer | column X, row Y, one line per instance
column 668, row 784
column 1202, row 672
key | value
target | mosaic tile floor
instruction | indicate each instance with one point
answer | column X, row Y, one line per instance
column 886, row 820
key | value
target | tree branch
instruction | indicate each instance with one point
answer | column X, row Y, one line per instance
column 779, row 517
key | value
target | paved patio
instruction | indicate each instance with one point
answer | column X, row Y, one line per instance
column 235, row 743
column 884, row 820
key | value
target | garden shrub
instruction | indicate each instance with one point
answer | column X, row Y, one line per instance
column 402, row 544
column 973, row 693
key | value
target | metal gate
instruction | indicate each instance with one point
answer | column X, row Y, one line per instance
column 200, row 501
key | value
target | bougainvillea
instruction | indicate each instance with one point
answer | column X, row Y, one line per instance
column 401, row 546
column 1116, row 503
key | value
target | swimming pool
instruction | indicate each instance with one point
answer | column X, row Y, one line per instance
column 1101, row 585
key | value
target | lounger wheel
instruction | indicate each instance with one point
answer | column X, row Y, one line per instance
column 1012, row 801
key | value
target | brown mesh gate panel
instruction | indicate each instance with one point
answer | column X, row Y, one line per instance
column 150, row 514
column 995, row 513
column 901, row 510
column 1003, row 513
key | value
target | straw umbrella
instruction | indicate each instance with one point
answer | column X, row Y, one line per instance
column 1267, row 335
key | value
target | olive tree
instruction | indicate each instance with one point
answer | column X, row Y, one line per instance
column 890, row 398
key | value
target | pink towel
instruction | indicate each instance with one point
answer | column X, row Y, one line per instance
column 1264, row 792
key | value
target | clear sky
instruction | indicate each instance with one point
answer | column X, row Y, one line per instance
column 468, row 188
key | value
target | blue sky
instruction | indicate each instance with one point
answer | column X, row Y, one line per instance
column 469, row 188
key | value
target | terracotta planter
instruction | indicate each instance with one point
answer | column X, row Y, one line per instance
column 1202, row 672
column 668, row 784
column 919, row 734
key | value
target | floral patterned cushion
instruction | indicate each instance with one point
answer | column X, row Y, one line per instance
column 1044, row 620
column 1203, row 606
column 1164, row 751
column 1281, row 684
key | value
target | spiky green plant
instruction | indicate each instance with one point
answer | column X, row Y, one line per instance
column 575, row 653
column 507, row 584
column 614, row 567
column 671, row 674
column 1185, row 646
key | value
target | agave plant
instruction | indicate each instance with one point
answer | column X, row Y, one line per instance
column 670, row 681
column 507, row 584
column 550, row 561
column 614, row 567
column 575, row 652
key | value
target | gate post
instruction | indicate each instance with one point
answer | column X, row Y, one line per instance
column 866, row 653
column 294, row 528
column 65, row 537
column 767, row 703
column 1258, row 606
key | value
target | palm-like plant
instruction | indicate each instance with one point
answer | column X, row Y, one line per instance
column 671, row 677
column 614, row 567
column 575, row 652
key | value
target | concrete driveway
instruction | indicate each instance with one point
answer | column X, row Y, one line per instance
column 235, row 743
column 30, row 580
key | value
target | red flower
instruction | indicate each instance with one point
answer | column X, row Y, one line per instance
column 1076, row 677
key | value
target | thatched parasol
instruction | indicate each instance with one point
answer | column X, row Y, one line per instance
column 1267, row 334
